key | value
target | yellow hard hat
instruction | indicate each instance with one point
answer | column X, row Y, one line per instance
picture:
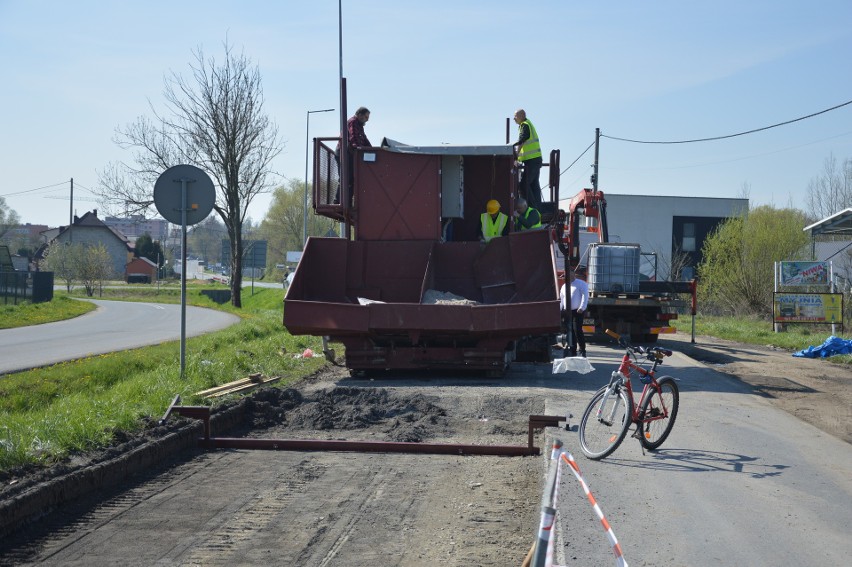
column 492, row 206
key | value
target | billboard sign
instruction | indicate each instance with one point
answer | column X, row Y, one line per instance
column 808, row 308
column 804, row 273
column 254, row 253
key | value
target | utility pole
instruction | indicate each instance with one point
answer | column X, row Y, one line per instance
column 71, row 214
column 597, row 147
column 601, row 215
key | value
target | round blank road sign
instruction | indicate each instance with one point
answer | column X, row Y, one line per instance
column 200, row 194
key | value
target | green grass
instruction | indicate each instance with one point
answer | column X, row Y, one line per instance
column 61, row 308
column 49, row 413
column 756, row 331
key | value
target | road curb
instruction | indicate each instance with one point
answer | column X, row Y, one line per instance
column 551, row 434
column 38, row 501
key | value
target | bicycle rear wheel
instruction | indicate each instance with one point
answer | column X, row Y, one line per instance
column 657, row 413
column 602, row 433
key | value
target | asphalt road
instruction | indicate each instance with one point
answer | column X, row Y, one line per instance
column 115, row 325
column 738, row 482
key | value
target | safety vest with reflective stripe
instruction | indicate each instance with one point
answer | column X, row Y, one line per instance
column 492, row 228
column 526, row 216
column 531, row 148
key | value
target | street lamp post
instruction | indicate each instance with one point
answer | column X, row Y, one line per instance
column 307, row 148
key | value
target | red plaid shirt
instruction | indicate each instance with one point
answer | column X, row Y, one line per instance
column 357, row 137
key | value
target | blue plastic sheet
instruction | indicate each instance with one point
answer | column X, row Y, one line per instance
column 832, row 346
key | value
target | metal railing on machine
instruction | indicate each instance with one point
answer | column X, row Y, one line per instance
column 326, row 179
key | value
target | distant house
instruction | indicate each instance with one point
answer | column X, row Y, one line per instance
column 89, row 230
column 140, row 270
column 832, row 241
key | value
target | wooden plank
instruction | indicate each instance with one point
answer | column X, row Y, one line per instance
column 243, row 387
column 257, row 377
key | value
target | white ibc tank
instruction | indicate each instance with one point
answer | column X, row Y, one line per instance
column 613, row 268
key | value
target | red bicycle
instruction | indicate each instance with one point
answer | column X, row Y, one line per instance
column 613, row 408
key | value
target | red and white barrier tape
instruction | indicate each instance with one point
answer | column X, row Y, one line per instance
column 548, row 558
column 616, row 547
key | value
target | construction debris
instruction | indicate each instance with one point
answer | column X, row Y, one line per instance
column 244, row 384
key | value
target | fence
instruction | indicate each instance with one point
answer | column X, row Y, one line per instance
column 16, row 287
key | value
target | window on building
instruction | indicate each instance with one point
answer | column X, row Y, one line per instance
column 688, row 241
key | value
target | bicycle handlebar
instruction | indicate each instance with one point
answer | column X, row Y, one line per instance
column 659, row 352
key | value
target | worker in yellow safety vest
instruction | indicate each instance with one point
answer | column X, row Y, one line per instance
column 492, row 223
column 526, row 217
column 529, row 156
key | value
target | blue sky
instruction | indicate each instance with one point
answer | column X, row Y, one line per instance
column 448, row 72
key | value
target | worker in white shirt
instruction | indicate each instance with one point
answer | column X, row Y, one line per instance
column 579, row 304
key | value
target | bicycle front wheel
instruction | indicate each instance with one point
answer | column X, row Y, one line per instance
column 657, row 413
column 605, row 422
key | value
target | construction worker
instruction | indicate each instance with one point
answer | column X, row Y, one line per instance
column 492, row 223
column 355, row 129
column 526, row 217
column 529, row 155
column 355, row 138
column 573, row 301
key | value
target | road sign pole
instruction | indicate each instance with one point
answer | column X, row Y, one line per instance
column 183, row 183
column 188, row 207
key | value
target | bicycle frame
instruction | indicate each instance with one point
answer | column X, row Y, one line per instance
column 621, row 379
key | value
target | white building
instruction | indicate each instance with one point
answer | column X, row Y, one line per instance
column 667, row 227
column 194, row 269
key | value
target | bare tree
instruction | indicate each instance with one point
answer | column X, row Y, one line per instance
column 679, row 261
column 215, row 121
column 831, row 191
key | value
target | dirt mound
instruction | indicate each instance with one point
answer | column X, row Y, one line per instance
column 268, row 407
column 409, row 418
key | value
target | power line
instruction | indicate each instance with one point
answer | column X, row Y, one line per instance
column 32, row 190
column 729, row 135
column 732, row 160
column 576, row 160
column 561, row 173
